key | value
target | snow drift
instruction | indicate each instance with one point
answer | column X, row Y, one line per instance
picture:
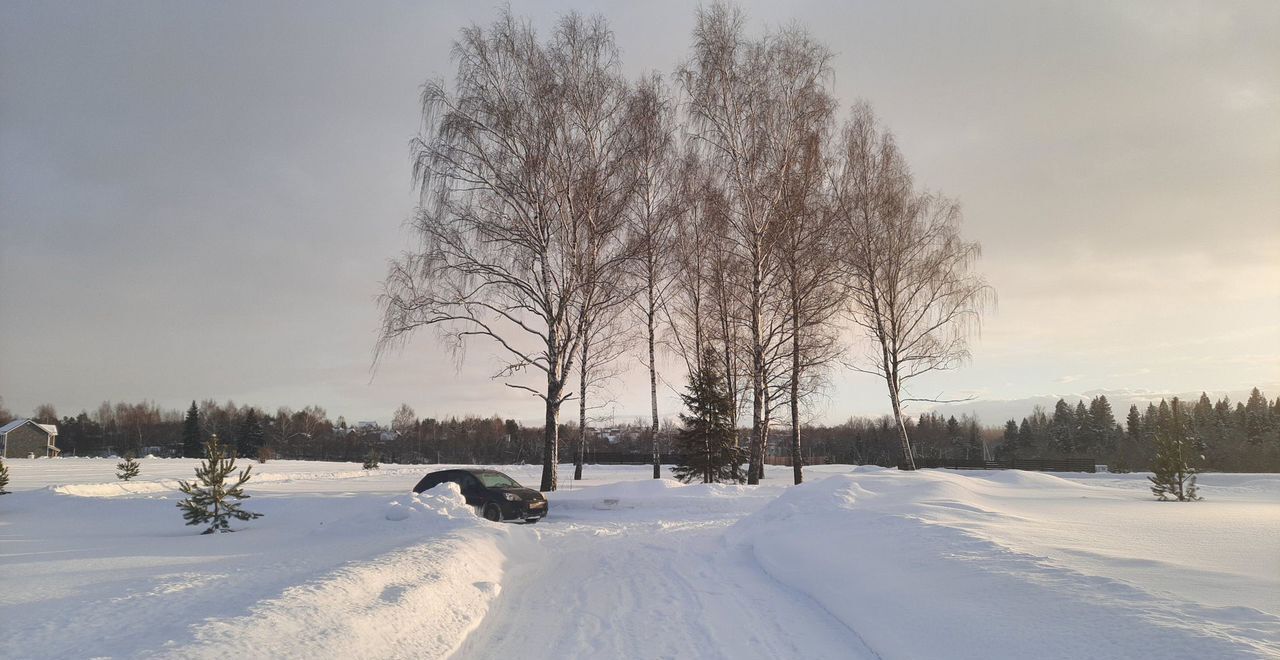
column 916, row 564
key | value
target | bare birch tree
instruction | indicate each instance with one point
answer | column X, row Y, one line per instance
column 911, row 285
column 653, row 217
column 605, row 339
column 688, row 310
column 750, row 104
column 811, row 276
column 501, row 213
column 601, row 180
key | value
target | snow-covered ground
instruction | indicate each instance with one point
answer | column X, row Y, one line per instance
column 857, row 563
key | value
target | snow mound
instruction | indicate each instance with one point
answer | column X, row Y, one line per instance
column 419, row 601
column 884, row 553
column 442, row 501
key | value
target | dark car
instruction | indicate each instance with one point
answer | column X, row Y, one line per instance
column 495, row 495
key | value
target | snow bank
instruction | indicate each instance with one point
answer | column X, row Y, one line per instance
column 907, row 561
column 322, row 574
column 419, row 601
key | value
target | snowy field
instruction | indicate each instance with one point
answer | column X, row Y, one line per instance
column 857, row 563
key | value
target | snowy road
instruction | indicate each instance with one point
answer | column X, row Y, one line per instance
column 651, row 590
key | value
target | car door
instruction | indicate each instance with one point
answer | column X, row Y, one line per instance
column 472, row 490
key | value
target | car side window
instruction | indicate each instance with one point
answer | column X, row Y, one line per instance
column 468, row 483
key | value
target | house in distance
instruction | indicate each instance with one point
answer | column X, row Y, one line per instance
column 24, row 438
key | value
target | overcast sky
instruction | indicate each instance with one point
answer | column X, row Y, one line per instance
column 199, row 199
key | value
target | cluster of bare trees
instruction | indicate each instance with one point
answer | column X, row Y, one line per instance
column 726, row 214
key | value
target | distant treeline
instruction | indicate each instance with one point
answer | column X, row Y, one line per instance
column 1225, row 436
column 1239, row 437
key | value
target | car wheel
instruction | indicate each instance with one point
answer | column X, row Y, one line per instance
column 492, row 512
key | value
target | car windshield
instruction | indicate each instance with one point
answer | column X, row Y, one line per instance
column 496, row 480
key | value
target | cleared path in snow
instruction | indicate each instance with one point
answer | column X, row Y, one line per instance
column 599, row 587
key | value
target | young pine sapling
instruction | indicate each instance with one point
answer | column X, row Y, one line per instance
column 213, row 498
column 128, row 468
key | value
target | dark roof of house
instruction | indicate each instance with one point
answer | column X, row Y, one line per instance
column 51, row 429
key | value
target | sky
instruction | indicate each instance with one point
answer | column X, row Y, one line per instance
column 199, row 200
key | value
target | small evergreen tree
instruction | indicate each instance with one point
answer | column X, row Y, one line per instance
column 212, row 498
column 4, row 477
column 1174, row 476
column 371, row 460
column 128, row 468
column 706, row 447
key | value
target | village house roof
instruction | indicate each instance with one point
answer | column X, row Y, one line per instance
column 52, row 429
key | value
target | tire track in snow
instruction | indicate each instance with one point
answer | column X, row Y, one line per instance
column 651, row 590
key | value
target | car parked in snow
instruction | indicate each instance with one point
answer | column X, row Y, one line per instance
column 495, row 495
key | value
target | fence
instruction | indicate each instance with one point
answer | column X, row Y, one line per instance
column 786, row 460
column 613, row 458
column 635, row 458
column 1035, row 464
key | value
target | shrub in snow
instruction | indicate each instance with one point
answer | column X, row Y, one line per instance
column 371, row 461
column 128, row 468
column 212, row 498
column 4, row 477
column 265, row 454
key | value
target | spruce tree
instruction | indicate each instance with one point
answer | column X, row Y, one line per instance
column 191, row 445
column 1102, row 423
column 1082, row 436
column 1257, row 418
column 1026, row 436
column 371, row 460
column 706, row 447
column 1062, row 428
column 4, row 478
column 1174, row 477
column 212, row 498
column 1010, row 445
column 128, row 468
column 251, row 434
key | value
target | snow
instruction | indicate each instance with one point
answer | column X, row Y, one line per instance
column 1024, row 565
column 856, row 563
